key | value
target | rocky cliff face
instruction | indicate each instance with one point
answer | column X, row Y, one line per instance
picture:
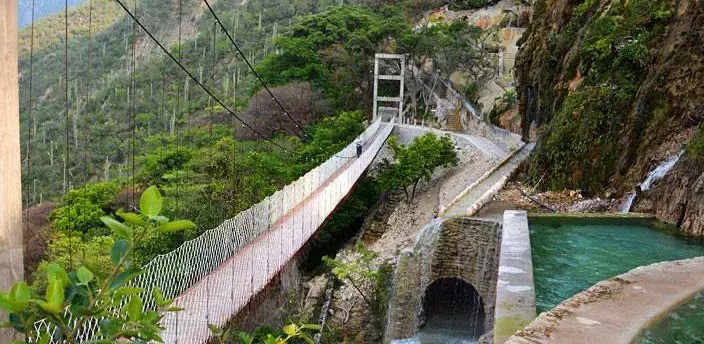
column 611, row 88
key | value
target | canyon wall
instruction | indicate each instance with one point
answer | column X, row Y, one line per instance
column 610, row 89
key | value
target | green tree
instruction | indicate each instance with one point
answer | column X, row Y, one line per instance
column 333, row 50
column 416, row 162
column 369, row 281
column 84, row 207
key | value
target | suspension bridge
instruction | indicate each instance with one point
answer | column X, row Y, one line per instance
column 215, row 276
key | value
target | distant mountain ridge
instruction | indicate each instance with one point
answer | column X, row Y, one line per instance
column 42, row 9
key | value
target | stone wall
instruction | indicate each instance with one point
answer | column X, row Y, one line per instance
column 462, row 248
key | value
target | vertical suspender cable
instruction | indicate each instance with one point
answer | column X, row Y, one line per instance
column 30, row 123
column 178, row 101
column 132, row 95
column 177, row 115
column 212, row 116
column 234, row 141
column 67, row 156
column 88, row 83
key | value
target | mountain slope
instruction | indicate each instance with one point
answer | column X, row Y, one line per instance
column 42, row 8
column 49, row 31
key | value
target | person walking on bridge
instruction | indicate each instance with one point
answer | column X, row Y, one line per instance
column 358, row 144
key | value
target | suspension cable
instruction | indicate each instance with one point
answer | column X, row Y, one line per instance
column 132, row 94
column 195, row 80
column 254, row 72
column 261, row 81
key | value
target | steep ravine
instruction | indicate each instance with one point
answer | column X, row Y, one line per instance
column 610, row 89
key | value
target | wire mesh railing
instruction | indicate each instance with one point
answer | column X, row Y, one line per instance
column 215, row 275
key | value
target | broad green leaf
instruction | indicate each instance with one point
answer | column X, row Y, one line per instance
column 84, row 275
column 134, row 308
column 159, row 297
column 120, row 229
column 54, row 297
column 216, row 331
column 119, row 249
column 5, row 302
column 159, row 218
column 128, row 291
column 175, row 226
column 123, row 277
column 132, row 218
column 291, row 329
column 50, row 307
column 55, row 271
column 19, row 296
column 151, row 201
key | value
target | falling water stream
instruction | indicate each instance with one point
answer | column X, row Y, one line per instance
column 454, row 313
column 657, row 173
column 451, row 310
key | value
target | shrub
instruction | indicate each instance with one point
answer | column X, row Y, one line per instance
column 87, row 295
column 416, row 162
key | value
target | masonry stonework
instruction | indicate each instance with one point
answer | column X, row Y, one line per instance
column 463, row 248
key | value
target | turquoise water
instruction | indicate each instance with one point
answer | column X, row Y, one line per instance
column 685, row 325
column 571, row 255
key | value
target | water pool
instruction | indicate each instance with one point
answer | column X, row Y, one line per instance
column 572, row 254
column 684, row 325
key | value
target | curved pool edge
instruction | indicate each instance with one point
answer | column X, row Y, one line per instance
column 618, row 309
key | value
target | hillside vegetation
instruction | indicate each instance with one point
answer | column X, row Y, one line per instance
column 136, row 120
column 49, row 31
column 611, row 88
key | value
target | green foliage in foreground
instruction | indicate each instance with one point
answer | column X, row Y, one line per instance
column 416, row 162
column 87, row 295
column 291, row 333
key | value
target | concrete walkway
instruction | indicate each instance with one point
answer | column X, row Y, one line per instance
column 616, row 310
column 478, row 194
column 483, row 144
column 515, row 291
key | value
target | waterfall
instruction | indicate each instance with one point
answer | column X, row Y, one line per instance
column 656, row 174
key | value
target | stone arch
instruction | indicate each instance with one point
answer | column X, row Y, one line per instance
column 455, row 249
column 453, row 305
